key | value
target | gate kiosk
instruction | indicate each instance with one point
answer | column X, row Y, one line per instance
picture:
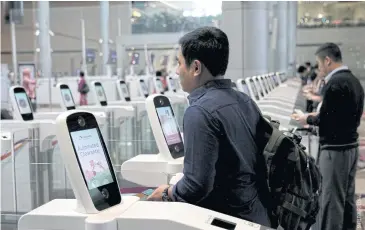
column 174, row 97
column 273, row 111
column 283, row 101
column 262, row 85
column 146, row 143
column 171, row 84
column 152, row 170
column 268, row 82
column 118, row 107
column 283, row 107
column 174, row 86
column 98, row 204
column 138, row 88
column 158, row 85
column 123, row 91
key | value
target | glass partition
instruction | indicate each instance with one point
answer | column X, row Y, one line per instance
column 331, row 14
column 173, row 16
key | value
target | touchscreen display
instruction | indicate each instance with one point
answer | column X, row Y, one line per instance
column 67, row 98
column 100, row 92
column 245, row 88
column 159, row 85
column 264, row 83
column 172, row 83
column 92, row 159
column 144, row 88
column 168, row 124
column 124, row 90
column 275, row 79
column 254, row 90
column 258, row 86
column 268, row 85
column 23, row 103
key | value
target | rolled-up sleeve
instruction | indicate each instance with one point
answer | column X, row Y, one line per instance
column 201, row 154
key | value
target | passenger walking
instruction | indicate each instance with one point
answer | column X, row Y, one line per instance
column 30, row 85
column 83, row 89
column 338, row 120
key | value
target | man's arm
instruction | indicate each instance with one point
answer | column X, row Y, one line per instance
column 201, row 153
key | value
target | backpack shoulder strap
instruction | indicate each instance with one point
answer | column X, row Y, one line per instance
column 276, row 137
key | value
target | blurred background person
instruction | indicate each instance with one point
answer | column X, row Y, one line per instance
column 30, row 85
column 302, row 74
column 83, row 88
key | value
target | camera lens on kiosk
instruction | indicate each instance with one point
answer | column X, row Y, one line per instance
column 161, row 101
column 81, row 121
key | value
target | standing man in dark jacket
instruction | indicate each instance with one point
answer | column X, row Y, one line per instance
column 338, row 120
column 224, row 168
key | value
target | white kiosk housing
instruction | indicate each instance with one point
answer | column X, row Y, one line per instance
column 128, row 212
column 154, row 169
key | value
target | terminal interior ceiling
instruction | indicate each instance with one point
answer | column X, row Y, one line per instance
column 128, row 51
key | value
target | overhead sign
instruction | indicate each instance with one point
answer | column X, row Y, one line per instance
column 90, row 56
column 112, row 57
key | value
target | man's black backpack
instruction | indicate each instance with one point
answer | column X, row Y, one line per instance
column 293, row 178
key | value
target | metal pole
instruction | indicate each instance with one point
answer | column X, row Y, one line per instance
column 13, row 51
column 119, row 27
column 45, row 45
column 104, row 23
column 35, row 26
column 120, row 53
column 282, row 42
column 292, row 34
column 83, row 44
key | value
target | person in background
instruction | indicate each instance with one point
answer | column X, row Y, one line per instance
column 315, row 91
column 302, row 74
column 338, row 120
column 224, row 135
column 308, row 66
column 30, row 85
column 310, row 76
column 83, row 88
column 160, row 74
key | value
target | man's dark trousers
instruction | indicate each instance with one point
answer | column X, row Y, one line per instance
column 337, row 202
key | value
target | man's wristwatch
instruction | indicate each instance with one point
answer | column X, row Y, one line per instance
column 165, row 195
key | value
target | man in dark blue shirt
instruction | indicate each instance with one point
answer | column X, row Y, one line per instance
column 224, row 168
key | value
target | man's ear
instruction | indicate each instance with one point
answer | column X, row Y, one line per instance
column 197, row 67
column 327, row 60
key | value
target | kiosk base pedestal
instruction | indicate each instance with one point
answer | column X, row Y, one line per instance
column 150, row 170
column 60, row 214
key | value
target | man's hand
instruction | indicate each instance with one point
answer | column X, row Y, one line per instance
column 301, row 118
column 309, row 95
column 157, row 194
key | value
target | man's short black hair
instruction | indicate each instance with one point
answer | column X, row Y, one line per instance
column 82, row 73
column 308, row 64
column 301, row 69
column 158, row 73
column 210, row 46
column 330, row 50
